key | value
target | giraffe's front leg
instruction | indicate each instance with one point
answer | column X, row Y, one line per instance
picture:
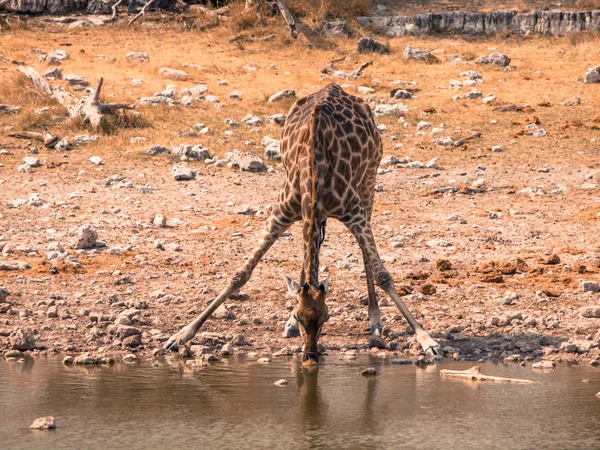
column 291, row 329
column 276, row 225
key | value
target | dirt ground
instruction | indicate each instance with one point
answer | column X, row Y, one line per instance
column 477, row 265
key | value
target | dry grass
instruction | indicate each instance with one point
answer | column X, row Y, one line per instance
column 546, row 72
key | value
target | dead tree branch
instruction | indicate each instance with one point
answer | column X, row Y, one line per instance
column 59, row 94
column 92, row 110
column 142, row 12
column 474, row 374
column 114, row 10
column 287, row 15
column 464, row 140
column 210, row 12
column 331, row 69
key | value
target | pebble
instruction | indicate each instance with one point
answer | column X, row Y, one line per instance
column 368, row 371
column 281, row 383
column 263, row 360
column 543, row 365
column 96, row 160
column 43, row 423
column 130, row 358
column 227, row 350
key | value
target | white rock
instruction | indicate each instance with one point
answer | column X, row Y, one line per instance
column 286, row 93
column 31, row 161
column 96, row 160
column 434, row 164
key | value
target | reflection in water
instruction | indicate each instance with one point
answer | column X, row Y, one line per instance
column 234, row 404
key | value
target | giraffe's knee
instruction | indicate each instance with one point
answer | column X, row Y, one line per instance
column 384, row 280
column 240, row 278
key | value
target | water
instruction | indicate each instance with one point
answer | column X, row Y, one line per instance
column 234, row 405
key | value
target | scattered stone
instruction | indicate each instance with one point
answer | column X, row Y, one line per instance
column 245, row 161
column 376, row 341
column 590, row 312
column 83, row 237
column 368, row 371
column 263, row 360
column 157, row 150
column 31, row 161
column 590, row 286
column 43, row 423
column 159, row 221
column 183, row 173
column 592, row 75
column 8, row 109
column 227, row 350
column 173, row 74
column 369, row 45
column 496, row 59
column 76, row 81
column 85, row 139
column 419, row 55
column 137, row 57
column 543, row 365
column 434, row 164
column 96, row 160
column 272, row 148
column 53, row 74
column 281, row 383
column 22, row 339
column 130, row 358
column 286, row 93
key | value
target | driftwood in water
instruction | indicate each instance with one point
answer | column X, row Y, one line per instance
column 474, row 374
column 331, row 69
column 92, row 110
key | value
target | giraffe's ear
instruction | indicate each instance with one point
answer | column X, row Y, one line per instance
column 324, row 286
column 293, row 287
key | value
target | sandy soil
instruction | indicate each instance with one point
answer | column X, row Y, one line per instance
column 501, row 292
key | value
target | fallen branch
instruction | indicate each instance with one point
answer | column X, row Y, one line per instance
column 287, row 15
column 331, row 69
column 142, row 12
column 474, row 374
column 114, row 10
column 464, row 140
column 92, row 110
column 26, row 135
column 59, row 94
column 210, row 12
column 41, row 84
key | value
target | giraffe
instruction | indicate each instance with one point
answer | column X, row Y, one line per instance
column 331, row 150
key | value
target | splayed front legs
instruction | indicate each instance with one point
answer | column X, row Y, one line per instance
column 275, row 227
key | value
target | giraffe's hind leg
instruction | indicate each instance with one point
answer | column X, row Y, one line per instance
column 367, row 195
column 276, row 225
column 361, row 229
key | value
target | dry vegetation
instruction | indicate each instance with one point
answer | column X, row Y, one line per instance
column 548, row 71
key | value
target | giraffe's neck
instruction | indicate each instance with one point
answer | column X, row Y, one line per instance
column 312, row 205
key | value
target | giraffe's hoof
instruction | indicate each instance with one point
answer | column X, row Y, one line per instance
column 185, row 335
column 172, row 345
column 377, row 329
column 290, row 331
column 430, row 347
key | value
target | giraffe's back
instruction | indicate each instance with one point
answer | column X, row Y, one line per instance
column 345, row 152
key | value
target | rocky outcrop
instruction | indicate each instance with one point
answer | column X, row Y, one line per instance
column 538, row 22
column 45, row 6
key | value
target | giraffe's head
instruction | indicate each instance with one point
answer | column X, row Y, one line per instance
column 311, row 313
